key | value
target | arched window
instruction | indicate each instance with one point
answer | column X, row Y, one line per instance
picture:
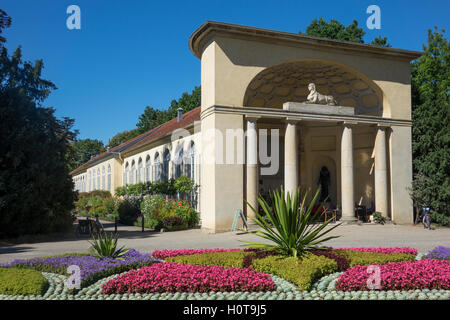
column 140, row 174
column 93, row 180
column 189, row 161
column 157, row 168
column 126, row 173
column 178, row 161
column 108, row 179
column 133, row 172
column 103, row 178
column 89, row 182
column 98, row 178
column 147, row 168
column 165, row 167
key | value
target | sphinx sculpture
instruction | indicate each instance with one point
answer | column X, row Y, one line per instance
column 318, row 98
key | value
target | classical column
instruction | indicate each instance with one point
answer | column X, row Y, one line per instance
column 381, row 180
column 347, row 188
column 252, row 167
column 291, row 165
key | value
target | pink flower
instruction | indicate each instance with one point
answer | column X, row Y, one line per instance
column 408, row 275
column 177, row 277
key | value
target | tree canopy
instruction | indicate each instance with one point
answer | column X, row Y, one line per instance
column 431, row 122
column 337, row 31
column 152, row 117
column 36, row 190
column 83, row 150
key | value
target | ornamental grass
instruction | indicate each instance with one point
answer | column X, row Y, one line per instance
column 177, row 277
column 408, row 275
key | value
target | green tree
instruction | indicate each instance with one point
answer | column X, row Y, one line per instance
column 431, row 122
column 83, row 150
column 380, row 41
column 151, row 118
column 335, row 30
column 5, row 22
column 36, row 190
column 123, row 136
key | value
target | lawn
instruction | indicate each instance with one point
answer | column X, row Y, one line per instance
column 236, row 274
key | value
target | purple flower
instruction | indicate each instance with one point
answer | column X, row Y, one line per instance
column 92, row 267
column 440, row 252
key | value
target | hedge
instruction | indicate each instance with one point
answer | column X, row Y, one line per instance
column 225, row 259
column 302, row 272
column 368, row 258
column 22, row 281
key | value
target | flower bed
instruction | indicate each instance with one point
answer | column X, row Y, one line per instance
column 163, row 254
column 92, row 267
column 409, row 275
column 176, row 277
column 18, row 281
column 405, row 250
column 441, row 253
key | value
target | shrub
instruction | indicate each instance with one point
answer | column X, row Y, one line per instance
column 341, row 260
column 409, row 275
column 189, row 215
column 120, row 191
column 367, row 258
column 150, row 206
column 169, row 212
column 225, row 259
column 175, row 277
column 303, row 273
column 184, row 184
column 164, row 187
column 20, row 281
column 440, row 218
column 378, row 218
column 173, row 221
column 128, row 210
column 440, row 253
column 292, row 230
column 256, row 254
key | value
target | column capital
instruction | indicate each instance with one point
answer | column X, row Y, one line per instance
column 289, row 120
column 349, row 123
column 251, row 117
column 382, row 126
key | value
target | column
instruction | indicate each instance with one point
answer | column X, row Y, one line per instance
column 347, row 188
column 291, row 165
column 381, row 178
column 252, row 167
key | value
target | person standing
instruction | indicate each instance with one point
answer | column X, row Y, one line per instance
column 426, row 218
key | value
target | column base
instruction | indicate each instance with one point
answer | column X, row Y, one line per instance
column 349, row 220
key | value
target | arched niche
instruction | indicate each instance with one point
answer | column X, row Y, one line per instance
column 325, row 161
column 289, row 81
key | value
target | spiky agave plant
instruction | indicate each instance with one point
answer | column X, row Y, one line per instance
column 106, row 246
column 293, row 230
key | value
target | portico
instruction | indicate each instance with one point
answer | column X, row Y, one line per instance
column 342, row 110
column 296, row 172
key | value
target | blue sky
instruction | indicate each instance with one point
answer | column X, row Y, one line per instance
column 129, row 54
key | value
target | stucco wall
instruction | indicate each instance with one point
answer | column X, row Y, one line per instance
column 229, row 65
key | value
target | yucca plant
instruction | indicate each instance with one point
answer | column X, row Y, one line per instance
column 106, row 246
column 293, row 230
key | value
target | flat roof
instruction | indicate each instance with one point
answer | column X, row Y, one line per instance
column 210, row 28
